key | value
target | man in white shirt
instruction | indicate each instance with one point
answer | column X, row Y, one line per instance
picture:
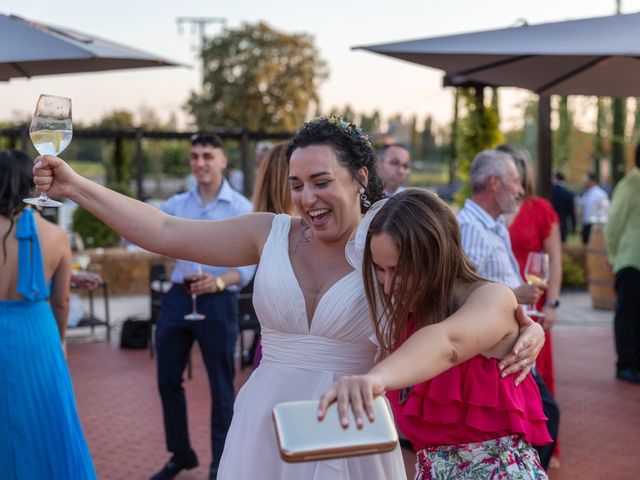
column 394, row 166
column 595, row 205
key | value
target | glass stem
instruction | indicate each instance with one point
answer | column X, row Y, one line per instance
column 193, row 302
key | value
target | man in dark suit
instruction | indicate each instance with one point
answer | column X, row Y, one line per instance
column 562, row 200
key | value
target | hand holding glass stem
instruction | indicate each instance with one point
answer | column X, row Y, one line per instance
column 189, row 280
column 536, row 273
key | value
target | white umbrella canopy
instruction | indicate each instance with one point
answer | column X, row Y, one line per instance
column 595, row 56
column 28, row 49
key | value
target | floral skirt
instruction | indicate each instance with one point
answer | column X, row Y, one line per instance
column 505, row 458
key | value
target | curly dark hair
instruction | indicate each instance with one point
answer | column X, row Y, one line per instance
column 16, row 182
column 353, row 152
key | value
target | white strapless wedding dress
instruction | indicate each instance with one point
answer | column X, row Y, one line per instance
column 300, row 363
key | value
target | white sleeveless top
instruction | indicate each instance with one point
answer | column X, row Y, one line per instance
column 300, row 363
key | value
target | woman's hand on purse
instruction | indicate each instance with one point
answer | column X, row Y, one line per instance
column 526, row 349
column 356, row 392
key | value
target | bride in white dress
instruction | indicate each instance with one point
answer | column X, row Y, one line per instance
column 309, row 299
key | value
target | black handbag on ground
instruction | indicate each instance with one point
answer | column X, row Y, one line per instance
column 135, row 333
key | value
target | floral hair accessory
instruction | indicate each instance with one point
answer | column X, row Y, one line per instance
column 349, row 127
column 354, row 250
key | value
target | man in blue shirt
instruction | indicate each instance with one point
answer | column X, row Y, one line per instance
column 216, row 289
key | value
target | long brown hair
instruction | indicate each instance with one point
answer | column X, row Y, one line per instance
column 431, row 261
column 272, row 192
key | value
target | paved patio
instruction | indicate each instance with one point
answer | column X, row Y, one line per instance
column 120, row 408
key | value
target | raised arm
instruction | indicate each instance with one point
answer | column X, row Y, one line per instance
column 228, row 243
column 484, row 322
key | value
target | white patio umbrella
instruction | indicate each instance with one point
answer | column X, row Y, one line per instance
column 594, row 56
column 29, row 48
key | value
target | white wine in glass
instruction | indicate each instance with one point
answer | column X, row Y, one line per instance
column 50, row 131
column 536, row 271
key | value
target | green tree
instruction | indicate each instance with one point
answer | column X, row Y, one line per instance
column 429, row 150
column 258, row 78
column 122, row 151
column 598, row 147
column 452, row 151
column 94, row 233
column 478, row 130
column 495, row 103
column 8, row 142
column 618, row 163
column 415, row 137
column 529, row 137
column 348, row 113
column 562, row 136
column 370, row 124
column 175, row 158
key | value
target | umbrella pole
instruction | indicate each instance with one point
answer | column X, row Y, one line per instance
column 544, row 146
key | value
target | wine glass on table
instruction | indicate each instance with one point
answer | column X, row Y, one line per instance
column 536, row 272
column 50, row 131
column 192, row 276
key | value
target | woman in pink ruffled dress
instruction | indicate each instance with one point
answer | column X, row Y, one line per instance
column 463, row 419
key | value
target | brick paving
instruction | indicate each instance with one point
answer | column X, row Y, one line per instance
column 120, row 408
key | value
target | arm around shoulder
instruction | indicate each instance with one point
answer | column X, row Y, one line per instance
column 485, row 320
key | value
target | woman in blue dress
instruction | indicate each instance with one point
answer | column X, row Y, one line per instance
column 40, row 433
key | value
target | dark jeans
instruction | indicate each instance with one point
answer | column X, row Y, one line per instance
column 216, row 336
column 552, row 412
column 627, row 319
column 586, row 230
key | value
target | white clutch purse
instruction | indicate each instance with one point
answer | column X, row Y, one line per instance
column 301, row 437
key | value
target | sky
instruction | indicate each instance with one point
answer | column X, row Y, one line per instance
column 364, row 80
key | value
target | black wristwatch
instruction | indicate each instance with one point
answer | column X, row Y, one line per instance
column 552, row 303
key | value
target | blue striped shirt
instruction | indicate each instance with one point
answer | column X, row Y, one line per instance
column 486, row 242
column 227, row 204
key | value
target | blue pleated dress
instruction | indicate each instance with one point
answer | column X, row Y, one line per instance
column 40, row 433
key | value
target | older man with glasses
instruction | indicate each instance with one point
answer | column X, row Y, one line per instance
column 394, row 166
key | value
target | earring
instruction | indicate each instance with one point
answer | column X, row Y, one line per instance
column 364, row 199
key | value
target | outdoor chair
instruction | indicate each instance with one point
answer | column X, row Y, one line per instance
column 90, row 319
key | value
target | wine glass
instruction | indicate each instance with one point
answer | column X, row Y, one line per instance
column 80, row 262
column 50, row 131
column 536, row 271
column 191, row 277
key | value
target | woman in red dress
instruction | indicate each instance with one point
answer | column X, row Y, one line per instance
column 535, row 227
